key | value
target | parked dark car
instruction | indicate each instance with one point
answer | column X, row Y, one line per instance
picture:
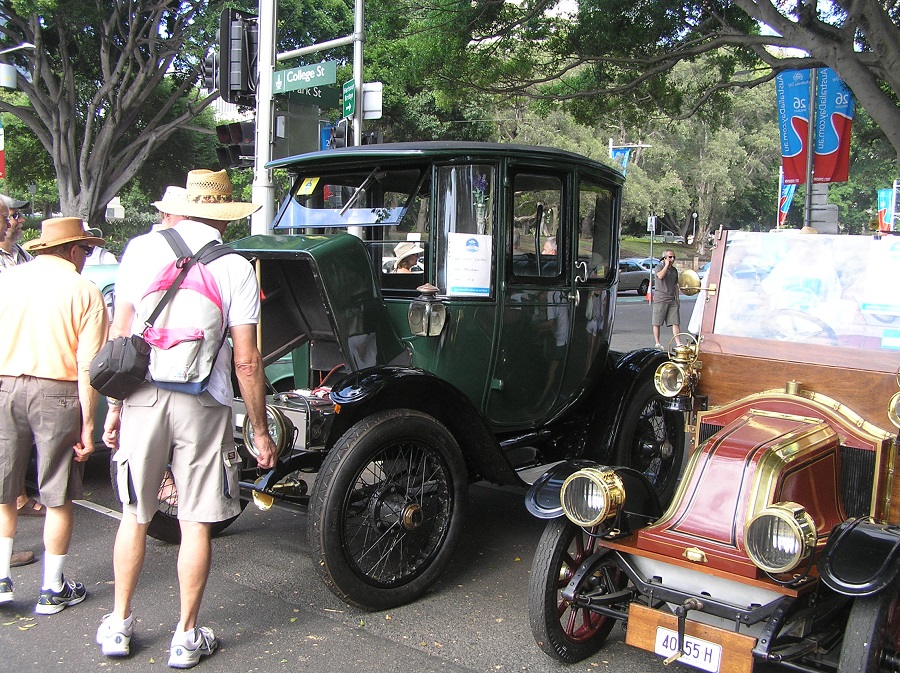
column 488, row 362
column 782, row 543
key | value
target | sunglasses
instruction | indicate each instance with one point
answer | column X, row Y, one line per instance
column 88, row 249
column 670, row 256
column 16, row 216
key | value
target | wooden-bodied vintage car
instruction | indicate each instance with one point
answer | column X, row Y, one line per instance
column 782, row 543
column 448, row 307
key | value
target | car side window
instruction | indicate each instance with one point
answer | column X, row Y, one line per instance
column 464, row 206
column 595, row 229
column 537, row 239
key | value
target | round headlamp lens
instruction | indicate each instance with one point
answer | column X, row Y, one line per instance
column 280, row 429
column 780, row 537
column 669, row 379
column 592, row 495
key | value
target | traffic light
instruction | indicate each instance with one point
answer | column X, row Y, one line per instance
column 340, row 135
column 238, row 47
column 239, row 140
column 371, row 138
column 209, row 75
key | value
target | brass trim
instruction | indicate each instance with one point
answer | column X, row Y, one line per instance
column 780, row 455
column 694, row 554
column 828, row 406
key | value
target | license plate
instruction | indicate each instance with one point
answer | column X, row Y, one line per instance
column 698, row 653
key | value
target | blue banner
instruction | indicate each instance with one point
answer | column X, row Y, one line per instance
column 792, row 89
column 886, row 207
column 784, row 202
column 622, row 155
column 834, row 118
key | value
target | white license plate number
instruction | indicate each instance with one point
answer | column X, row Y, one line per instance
column 698, row 653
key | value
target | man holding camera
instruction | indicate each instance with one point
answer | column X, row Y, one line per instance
column 666, row 304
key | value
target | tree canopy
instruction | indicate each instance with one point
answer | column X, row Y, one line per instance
column 107, row 83
column 614, row 52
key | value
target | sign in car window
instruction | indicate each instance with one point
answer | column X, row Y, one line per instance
column 469, row 265
column 815, row 289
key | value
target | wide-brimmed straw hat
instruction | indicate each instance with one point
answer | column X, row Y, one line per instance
column 407, row 248
column 208, row 194
column 61, row 230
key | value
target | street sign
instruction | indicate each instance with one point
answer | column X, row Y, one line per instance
column 304, row 77
column 349, row 98
column 323, row 96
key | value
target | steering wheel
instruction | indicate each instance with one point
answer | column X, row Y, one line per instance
column 800, row 327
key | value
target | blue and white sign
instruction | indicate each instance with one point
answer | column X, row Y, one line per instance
column 469, row 265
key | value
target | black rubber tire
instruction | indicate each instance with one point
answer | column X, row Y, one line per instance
column 164, row 524
column 872, row 632
column 563, row 633
column 370, row 483
column 651, row 440
column 642, row 290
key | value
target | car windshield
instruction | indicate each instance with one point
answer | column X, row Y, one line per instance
column 368, row 197
column 817, row 289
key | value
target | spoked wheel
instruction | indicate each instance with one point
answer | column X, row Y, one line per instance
column 164, row 524
column 651, row 440
column 872, row 636
column 387, row 509
column 561, row 630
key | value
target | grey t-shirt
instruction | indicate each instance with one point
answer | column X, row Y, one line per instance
column 666, row 288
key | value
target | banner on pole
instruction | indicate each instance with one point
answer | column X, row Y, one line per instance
column 792, row 89
column 833, row 116
column 622, row 155
column 887, row 204
column 784, row 202
column 834, row 119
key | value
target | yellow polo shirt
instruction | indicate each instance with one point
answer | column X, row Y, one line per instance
column 52, row 321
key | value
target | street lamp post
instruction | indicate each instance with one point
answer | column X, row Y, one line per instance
column 18, row 47
column 694, row 235
column 8, row 73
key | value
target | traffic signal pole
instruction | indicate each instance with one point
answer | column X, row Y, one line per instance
column 263, row 186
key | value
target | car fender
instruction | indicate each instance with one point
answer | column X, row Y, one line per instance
column 641, row 502
column 861, row 558
column 365, row 392
column 624, row 372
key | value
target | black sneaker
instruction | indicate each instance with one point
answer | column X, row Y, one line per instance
column 6, row 590
column 50, row 602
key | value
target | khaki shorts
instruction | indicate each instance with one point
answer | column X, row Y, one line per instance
column 666, row 313
column 45, row 414
column 193, row 434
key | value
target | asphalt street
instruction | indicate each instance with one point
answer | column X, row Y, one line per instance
column 271, row 611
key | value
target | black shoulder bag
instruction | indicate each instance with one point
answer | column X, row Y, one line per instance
column 121, row 365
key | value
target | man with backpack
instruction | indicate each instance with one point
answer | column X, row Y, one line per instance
column 182, row 417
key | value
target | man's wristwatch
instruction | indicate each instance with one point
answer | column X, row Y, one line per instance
column 113, row 402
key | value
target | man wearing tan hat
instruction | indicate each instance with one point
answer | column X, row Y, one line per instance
column 58, row 323
column 201, row 452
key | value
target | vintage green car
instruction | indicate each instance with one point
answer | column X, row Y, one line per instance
column 449, row 309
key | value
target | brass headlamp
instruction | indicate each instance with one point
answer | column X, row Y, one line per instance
column 672, row 377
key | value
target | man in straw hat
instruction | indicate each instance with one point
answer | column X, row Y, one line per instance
column 58, row 323
column 200, row 446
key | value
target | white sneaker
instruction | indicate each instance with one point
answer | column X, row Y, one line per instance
column 114, row 636
column 187, row 648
